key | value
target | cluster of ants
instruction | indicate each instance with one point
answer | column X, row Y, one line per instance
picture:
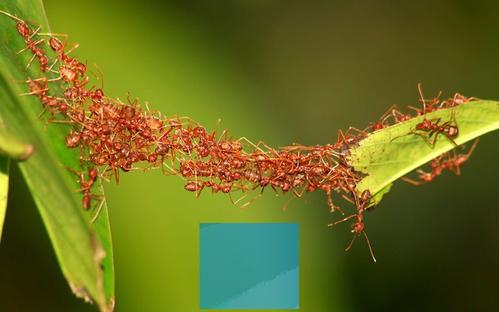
column 115, row 137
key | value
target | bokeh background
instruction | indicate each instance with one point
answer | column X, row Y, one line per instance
column 282, row 71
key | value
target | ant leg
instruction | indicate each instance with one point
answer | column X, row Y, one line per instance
column 357, row 130
column 269, row 149
column 411, row 181
column 389, row 112
column 61, row 121
column 29, row 46
column 40, row 115
column 77, row 173
column 453, row 118
column 369, row 245
column 355, row 235
column 198, row 193
column 403, row 135
column 240, row 198
column 30, row 61
column 425, row 101
column 342, row 136
column 299, row 194
column 256, row 146
column 421, row 96
column 286, row 205
column 34, row 92
column 451, row 140
column 55, row 79
column 348, row 199
column 97, row 213
column 461, row 158
column 104, row 171
column 116, row 175
column 330, row 203
column 54, row 35
column 472, row 148
column 35, row 32
column 171, row 171
column 435, row 134
column 224, row 133
column 75, row 46
column 382, row 120
column 426, row 137
column 231, row 200
column 342, row 220
column 101, row 79
column 398, row 116
column 251, row 201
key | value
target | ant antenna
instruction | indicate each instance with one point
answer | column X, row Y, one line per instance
column 12, row 16
column 421, row 96
column 101, row 76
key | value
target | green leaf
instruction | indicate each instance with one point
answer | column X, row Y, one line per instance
column 4, row 188
column 83, row 248
column 390, row 153
column 12, row 147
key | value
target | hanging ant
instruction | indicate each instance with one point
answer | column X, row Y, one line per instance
column 439, row 164
column 358, row 226
column 86, row 185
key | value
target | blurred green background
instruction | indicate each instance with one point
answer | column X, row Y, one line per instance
column 282, row 71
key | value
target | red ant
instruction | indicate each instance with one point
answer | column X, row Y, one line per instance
column 454, row 163
column 358, row 227
column 396, row 115
column 194, row 186
column 86, row 185
column 346, row 139
column 434, row 128
column 24, row 30
column 429, row 128
column 428, row 105
column 382, row 122
column 442, row 162
column 457, row 99
column 400, row 117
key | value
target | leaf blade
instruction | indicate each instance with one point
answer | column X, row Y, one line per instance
column 79, row 245
column 390, row 153
column 4, row 189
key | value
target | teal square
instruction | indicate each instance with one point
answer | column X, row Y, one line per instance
column 249, row 266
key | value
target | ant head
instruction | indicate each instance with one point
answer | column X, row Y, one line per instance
column 378, row 126
column 423, row 125
column 23, row 29
column 56, row 44
column 365, row 196
column 93, row 173
column 453, row 131
column 67, row 73
column 152, row 158
column 226, row 188
column 98, row 94
column 193, row 186
column 72, row 139
column 199, row 131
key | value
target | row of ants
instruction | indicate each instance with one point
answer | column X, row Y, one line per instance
column 119, row 137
